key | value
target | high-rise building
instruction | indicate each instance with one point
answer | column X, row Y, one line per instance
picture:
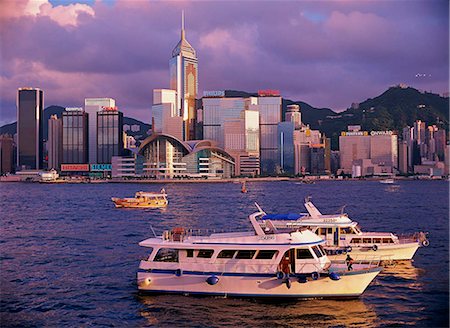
column 293, row 114
column 184, row 79
column 109, row 134
column 376, row 152
column 75, row 147
column 286, row 155
column 241, row 140
column 219, row 108
column 54, row 142
column 30, row 131
column 269, row 107
column 92, row 106
column 165, row 118
column 6, row 154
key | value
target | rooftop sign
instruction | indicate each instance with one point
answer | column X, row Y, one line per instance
column 75, row 167
column 269, row 93
column 220, row 93
column 354, row 133
column 101, row 167
column 381, row 133
column 112, row 109
column 74, row 109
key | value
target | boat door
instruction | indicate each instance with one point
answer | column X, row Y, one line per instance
column 336, row 236
column 287, row 264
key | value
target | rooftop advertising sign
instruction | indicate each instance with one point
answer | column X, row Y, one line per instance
column 74, row 109
column 112, row 109
column 101, row 167
column 214, row 93
column 381, row 133
column 75, row 167
column 354, row 133
column 269, row 93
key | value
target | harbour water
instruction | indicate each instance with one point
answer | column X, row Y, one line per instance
column 69, row 258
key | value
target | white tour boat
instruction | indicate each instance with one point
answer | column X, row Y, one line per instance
column 249, row 264
column 342, row 235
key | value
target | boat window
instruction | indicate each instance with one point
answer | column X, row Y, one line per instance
column 205, row 253
column 355, row 241
column 377, row 240
column 388, row 241
column 226, row 254
column 150, row 253
column 345, row 230
column 190, row 253
column 167, row 255
column 245, row 254
column 321, row 249
column 304, row 253
column 321, row 231
column 265, row 255
column 330, row 231
column 367, row 240
column 317, row 251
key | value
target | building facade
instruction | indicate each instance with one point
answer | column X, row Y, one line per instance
column 109, row 134
column 54, row 143
column 75, row 144
column 165, row 115
column 6, row 154
column 166, row 157
column 30, row 129
column 183, row 68
column 92, row 106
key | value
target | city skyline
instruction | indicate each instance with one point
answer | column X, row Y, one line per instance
column 328, row 54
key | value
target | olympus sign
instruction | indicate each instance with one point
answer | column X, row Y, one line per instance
column 214, row 93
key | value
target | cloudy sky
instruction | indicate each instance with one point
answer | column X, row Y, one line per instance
column 326, row 53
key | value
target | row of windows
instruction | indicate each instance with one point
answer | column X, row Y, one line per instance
column 372, row 241
column 172, row 255
column 324, row 231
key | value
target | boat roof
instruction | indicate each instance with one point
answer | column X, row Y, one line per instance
column 289, row 216
column 150, row 194
column 240, row 240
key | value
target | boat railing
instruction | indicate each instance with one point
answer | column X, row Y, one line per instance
column 180, row 234
column 419, row 237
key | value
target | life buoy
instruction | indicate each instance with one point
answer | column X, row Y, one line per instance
column 375, row 247
column 212, row 280
column 349, row 248
column 315, row 275
column 280, row 275
column 178, row 272
column 334, row 276
column 425, row 243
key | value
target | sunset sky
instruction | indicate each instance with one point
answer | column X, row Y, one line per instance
column 326, row 53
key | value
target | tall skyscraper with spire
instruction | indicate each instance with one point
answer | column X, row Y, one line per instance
column 184, row 79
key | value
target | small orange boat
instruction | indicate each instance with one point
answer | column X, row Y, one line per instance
column 143, row 200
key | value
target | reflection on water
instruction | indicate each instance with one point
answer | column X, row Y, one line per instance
column 392, row 188
column 171, row 311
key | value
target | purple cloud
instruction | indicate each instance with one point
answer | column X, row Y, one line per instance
column 328, row 54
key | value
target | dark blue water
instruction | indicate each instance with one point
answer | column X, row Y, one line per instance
column 69, row 258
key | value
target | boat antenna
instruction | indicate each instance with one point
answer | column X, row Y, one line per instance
column 342, row 209
column 154, row 233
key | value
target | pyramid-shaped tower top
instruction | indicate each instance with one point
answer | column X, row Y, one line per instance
column 183, row 47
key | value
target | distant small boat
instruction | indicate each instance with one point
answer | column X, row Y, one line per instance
column 244, row 188
column 143, row 200
column 387, row 181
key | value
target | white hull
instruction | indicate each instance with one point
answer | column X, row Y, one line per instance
column 351, row 284
column 397, row 252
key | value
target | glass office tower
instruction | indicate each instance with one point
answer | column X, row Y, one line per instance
column 184, row 79
column 75, row 136
column 109, row 135
column 30, row 130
